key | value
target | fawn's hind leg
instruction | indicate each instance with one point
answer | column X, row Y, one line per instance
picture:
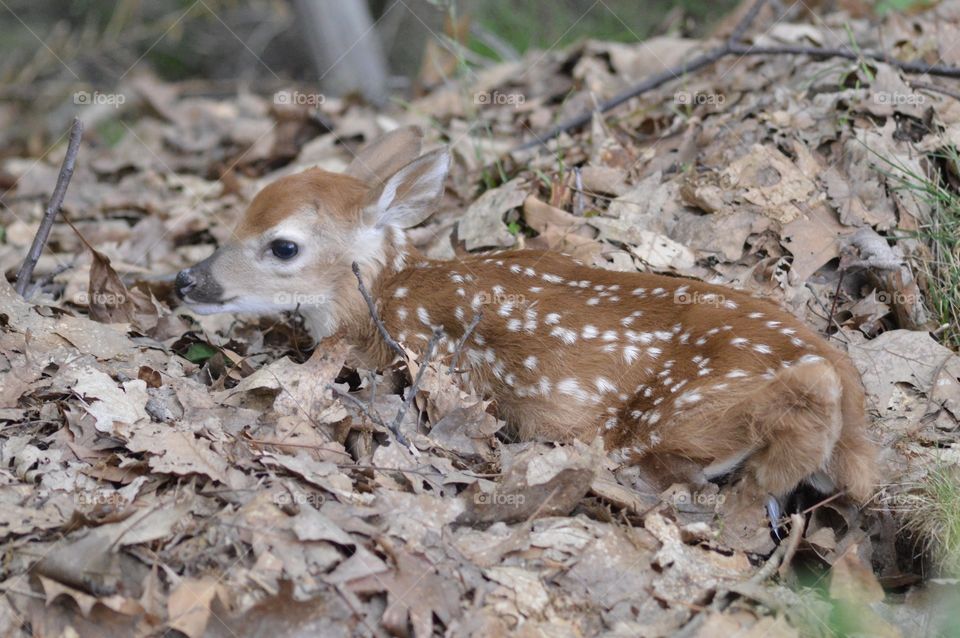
column 796, row 420
column 775, row 434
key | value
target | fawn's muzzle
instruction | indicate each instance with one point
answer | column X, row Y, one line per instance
column 197, row 284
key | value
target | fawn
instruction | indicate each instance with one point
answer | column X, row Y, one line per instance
column 669, row 371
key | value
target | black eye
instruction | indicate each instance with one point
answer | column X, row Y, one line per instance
column 283, row 249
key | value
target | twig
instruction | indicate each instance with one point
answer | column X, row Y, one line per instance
column 741, row 27
column 826, row 314
column 412, row 391
column 49, row 277
column 53, row 207
column 919, row 68
column 733, row 46
column 649, row 84
column 357, row 403
column 797, row 525
column 923, row 86
column 836, row 296
column 781, row 556
column 376, row 317
column 463, row 340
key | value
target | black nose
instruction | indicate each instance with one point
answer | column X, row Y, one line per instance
column 184, row 283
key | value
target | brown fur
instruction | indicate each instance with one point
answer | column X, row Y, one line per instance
column 803, row 419
column 333, row 194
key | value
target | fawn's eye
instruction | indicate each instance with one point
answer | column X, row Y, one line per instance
column 283, row 249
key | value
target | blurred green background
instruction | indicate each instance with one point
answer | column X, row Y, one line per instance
column 223, row 39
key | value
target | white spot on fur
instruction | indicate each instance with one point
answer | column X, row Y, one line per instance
column 566, row 335
column 604, row 385
column 571, row 387
column 423, row 316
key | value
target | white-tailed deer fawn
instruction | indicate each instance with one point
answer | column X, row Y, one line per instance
column 667, row 370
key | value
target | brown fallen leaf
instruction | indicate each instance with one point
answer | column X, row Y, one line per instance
column 189, row 605
column 110, row 301
column 417, row 589
column 537, row 481
column 853, row 581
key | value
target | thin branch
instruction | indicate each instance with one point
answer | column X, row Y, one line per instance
column 412, row 390
column 357, row 403
column 649, row 84
column 733, row 46
column 849, row 54
column 376, row 318
column 53, row 207
column 780, row 557
column 836, row 297
column 463, row 340
column 741, row 27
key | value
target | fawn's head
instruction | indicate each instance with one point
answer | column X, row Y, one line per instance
column 296, row 243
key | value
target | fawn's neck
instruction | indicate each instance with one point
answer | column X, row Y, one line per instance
column 382, row 278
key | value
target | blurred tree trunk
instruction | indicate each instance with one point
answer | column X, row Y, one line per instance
column 346, row 48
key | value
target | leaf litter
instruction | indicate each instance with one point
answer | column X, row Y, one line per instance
column 207, row 475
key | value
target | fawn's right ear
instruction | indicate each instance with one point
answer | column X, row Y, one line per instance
column 411, row 194
column 384, row 156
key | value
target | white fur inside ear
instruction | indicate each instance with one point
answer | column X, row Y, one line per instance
column 409, row 196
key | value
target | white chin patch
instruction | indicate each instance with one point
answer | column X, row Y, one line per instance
column 234, row 305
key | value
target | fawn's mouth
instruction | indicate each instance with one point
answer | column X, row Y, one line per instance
column 209, row 308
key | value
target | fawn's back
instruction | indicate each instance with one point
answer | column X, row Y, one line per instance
column 655, row 365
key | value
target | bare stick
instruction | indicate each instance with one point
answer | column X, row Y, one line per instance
column 427, row 357
column 463, row 340
column 376, row 318
column 849, row 54
column 649, row 84
column 357, row 403
column 741, row 27
column 734, row 47
column 53, row 207
column 724, row 596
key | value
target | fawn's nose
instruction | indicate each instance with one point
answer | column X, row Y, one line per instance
column 184, row 283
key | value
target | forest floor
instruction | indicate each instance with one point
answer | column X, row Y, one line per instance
column 198, row 474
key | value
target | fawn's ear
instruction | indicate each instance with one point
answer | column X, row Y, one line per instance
column 411, row 194
column 384, row 156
